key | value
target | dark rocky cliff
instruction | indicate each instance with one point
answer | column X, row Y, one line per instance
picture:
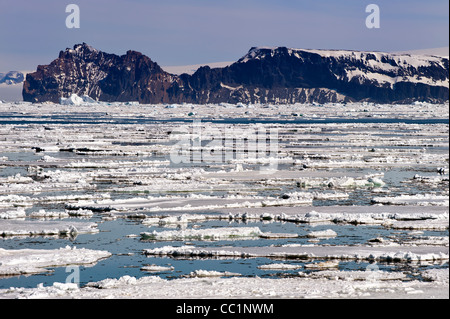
column 264, row 75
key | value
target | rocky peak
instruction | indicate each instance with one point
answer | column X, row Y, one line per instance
column 11, row 77
column 263, row 75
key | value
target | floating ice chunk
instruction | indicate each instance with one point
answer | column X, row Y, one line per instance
column 323, row 265
column 156, row 268
column 46, row 228
column 269, row 235
column 28, row 261
column 279, row 267
column 432, row 180
column 437, row 225
column 420, row 200
column 370, row 253
column 330, row 196
column 48, row 214
column 212, row 273
column 88, row 99
column 81, row 213
column 112, row 283
column 205, row 234
column 438, row 275
column 72, row 100
column 13, row 214
column 238, row 168
column 376, row 181
column 151, row 221
column 329, row 233
column 294, row 198
column 181, row 219
column 65, row 286
column 15, row 200
column 355, row 276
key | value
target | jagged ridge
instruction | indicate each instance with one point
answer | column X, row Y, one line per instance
column 263, row 75
column 11, row 78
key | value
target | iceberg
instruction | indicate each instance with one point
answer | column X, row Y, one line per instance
column 74, row 99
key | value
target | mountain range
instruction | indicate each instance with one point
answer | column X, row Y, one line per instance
column 12, row 77
column 263, row 75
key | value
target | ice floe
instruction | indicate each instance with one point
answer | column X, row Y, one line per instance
column 46, row 228
column 330, row 264
column 13, row 214
column 224, row 233
column 156, row 268
column 388, row 172
column 420, row 200
column 279, row 267
column 329, row 233
column 384, row 253
column 324, row 284
column 212, row 273
column 28, row 261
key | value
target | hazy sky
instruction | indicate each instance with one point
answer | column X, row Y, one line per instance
column 180, row 32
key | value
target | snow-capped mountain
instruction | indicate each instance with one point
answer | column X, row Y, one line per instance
column 263, row 75
column 12, row 77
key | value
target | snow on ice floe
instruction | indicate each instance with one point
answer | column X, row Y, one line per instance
column 42, row 213
column 53, row 166
column 420, row 200
column 77, row 100
column 375, row 215
column 46, row 228
column 204, row 234
column 18, row 200
column 211, row 234
column 211, row 273
column 29, row 261
column 441, row 275
column 13, row 214
column 436, row 225
column 279, row 267
column 328, row 233
column 329, row 264
column 367, row 275
column 323, row 284
column 381, row 254
column 156, row 268
column 191, row 202
column 48, row 214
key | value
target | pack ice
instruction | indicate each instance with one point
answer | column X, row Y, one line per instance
column 350, row 187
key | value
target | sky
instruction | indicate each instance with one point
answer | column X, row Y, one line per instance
column 185, row 32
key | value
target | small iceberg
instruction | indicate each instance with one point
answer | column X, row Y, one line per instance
column 76, row 100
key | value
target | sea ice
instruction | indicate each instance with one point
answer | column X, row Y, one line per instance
column 212, row 273
column 156, row 268
column 329, row 233
column 28, row 261
column 205, row 234
column 13, row 214
column 45, row 228
column 323, row 284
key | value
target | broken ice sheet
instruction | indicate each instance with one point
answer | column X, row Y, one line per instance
column 327, row 173
column 213, row 234
column 29, row 261
column 46, row 228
